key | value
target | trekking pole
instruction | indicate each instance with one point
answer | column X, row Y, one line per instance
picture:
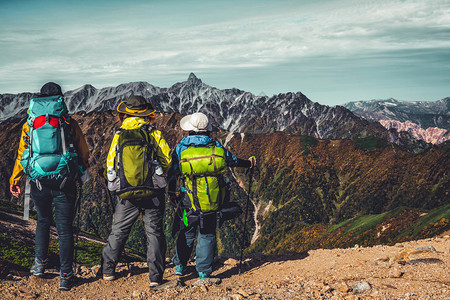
column 245, row 218
column 26, row 200
column 77, row 230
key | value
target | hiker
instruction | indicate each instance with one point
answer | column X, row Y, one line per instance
column 200, row 161
column 49, row 130
column 136, row 164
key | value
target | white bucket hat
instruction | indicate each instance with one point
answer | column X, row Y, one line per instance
column 195, row 122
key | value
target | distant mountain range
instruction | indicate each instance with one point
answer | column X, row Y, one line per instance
column 423, row 113
column 230, row 109
column 235, row 110
column 422, row 120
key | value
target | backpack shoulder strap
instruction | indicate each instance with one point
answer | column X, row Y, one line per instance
column 148, row 129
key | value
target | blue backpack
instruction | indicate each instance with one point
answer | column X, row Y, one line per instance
column 50, row 158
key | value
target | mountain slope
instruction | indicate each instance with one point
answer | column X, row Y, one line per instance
column 299, row 178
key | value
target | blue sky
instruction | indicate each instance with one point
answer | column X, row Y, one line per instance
column 331, row 51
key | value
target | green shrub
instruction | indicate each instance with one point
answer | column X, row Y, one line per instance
column 89, row 253
column 6, row 205
column 16, row 252
column 431, row 218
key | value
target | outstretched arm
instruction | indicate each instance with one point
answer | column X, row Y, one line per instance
column 18, row 170
column 234, row 161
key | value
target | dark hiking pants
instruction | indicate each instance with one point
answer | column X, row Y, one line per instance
column 64, row 203
column 125, row 216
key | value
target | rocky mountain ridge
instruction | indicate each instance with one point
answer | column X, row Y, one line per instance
column 423, row 113
column 230, row 109
column 432, row 135
column 417, row 120
column 239, row 111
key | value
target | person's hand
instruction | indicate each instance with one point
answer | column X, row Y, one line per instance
column 86, row 176
column 15, row 190
column 252, row 160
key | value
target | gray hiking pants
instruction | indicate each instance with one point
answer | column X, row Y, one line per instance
column 125, row 215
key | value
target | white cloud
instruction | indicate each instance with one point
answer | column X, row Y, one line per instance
column 122, row 47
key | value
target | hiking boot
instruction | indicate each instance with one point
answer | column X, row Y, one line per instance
column 66, row 281
column 180, row 270
column 203, row 275
column 38, row 267
column 109, row 277
column 165, row 285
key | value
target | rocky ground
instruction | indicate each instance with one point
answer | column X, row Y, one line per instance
column 410, row 270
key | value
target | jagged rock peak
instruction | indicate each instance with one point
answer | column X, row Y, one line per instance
column 262, row 94
column 192, row 79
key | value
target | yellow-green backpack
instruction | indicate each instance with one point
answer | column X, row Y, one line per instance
column 203, row 167
column 135, row 164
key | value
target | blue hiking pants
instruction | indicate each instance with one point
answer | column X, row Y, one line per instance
column 206, row 246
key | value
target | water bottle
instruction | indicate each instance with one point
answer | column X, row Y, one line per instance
column 158, row 169
column 113, row 181
column 111, row 174
column 159, row 178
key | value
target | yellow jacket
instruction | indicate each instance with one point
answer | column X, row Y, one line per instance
column 78, row 140
column 161, row 146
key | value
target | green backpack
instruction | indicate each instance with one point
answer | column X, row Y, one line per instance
column 203, row 167
column 50, row 157
column 136, row 166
